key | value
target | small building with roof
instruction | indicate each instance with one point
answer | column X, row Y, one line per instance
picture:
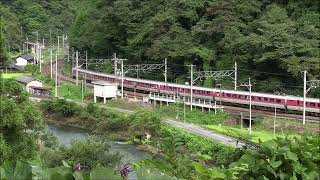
column 33, row 85
column 23, row 60
column 27, row 57
column 105, row 90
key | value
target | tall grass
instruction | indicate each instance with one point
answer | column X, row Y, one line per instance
column 196, row 116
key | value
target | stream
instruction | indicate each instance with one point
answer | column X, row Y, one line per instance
column 129, row 152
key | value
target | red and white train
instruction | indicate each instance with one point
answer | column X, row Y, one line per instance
column 237, row 98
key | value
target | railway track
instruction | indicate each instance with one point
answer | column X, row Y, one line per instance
column 137, row 95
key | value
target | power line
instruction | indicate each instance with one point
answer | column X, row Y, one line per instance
column 264, row 72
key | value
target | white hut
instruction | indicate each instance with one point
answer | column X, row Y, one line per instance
column 105, row 90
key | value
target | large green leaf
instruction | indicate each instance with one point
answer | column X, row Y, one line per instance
column 100, row 173
column 292, row 156
column 23, row 171
column 215, row 174
column 39, row 173
column 275, row 164
column 146, row 174
column 199, row 168
column 77, row 175
column 2, row 174
column 61, row 173
column 65, row 164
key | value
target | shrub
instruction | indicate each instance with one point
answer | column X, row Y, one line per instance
column 5, row 150
column 49, row 139
column 143, row 122
column 113, row 124
column 89, row 152
column 33, row 69
column 282, row 158
column 48, row 106
column 220, row 155
column 67, row 108
column 62, row 106
column 22, row 170
column 195, row 116
column 92, row 108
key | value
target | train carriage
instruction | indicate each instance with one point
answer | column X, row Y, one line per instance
column 264, row 100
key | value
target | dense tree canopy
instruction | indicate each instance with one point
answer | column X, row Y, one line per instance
column 276, row 39
column 3, row 50
column 20, row 122
column 24, row 18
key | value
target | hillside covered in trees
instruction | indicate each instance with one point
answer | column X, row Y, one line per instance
column 273, row 41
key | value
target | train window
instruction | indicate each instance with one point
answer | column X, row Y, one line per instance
column 246, row 97
column 234, row 96
column 259, row 98
column 229, row 95
column 278, row 100
column 312, row 104
column 271, row 100
column 265, row 99
column 240, row 96
column 319, row 105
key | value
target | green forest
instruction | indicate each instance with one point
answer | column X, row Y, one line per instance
column 272, row 41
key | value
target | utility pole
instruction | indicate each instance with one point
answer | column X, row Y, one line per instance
column 86, row 59
column 250, row 120
column 82, row 90
column 68, row 54
column 77, row 65
column 85, row 74
column 220, row 94
column 116, row 61
column 235, row 76
column 35, row 53
column 63, row 42
column 115, row 64
column 28, row 45
column 21, row 40
column 177, row 116
column 184, row 102
column 121, row 78
column 165, row 69
column 191, row 85
column 40, row 56
column 51, row 63
column 274, row 120
column 304, row 96
column 241, row 119
column 184, row 108
column 249, row 86
column 56, row 82
column 58, row 44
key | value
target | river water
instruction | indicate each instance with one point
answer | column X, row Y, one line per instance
column 129, row 152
